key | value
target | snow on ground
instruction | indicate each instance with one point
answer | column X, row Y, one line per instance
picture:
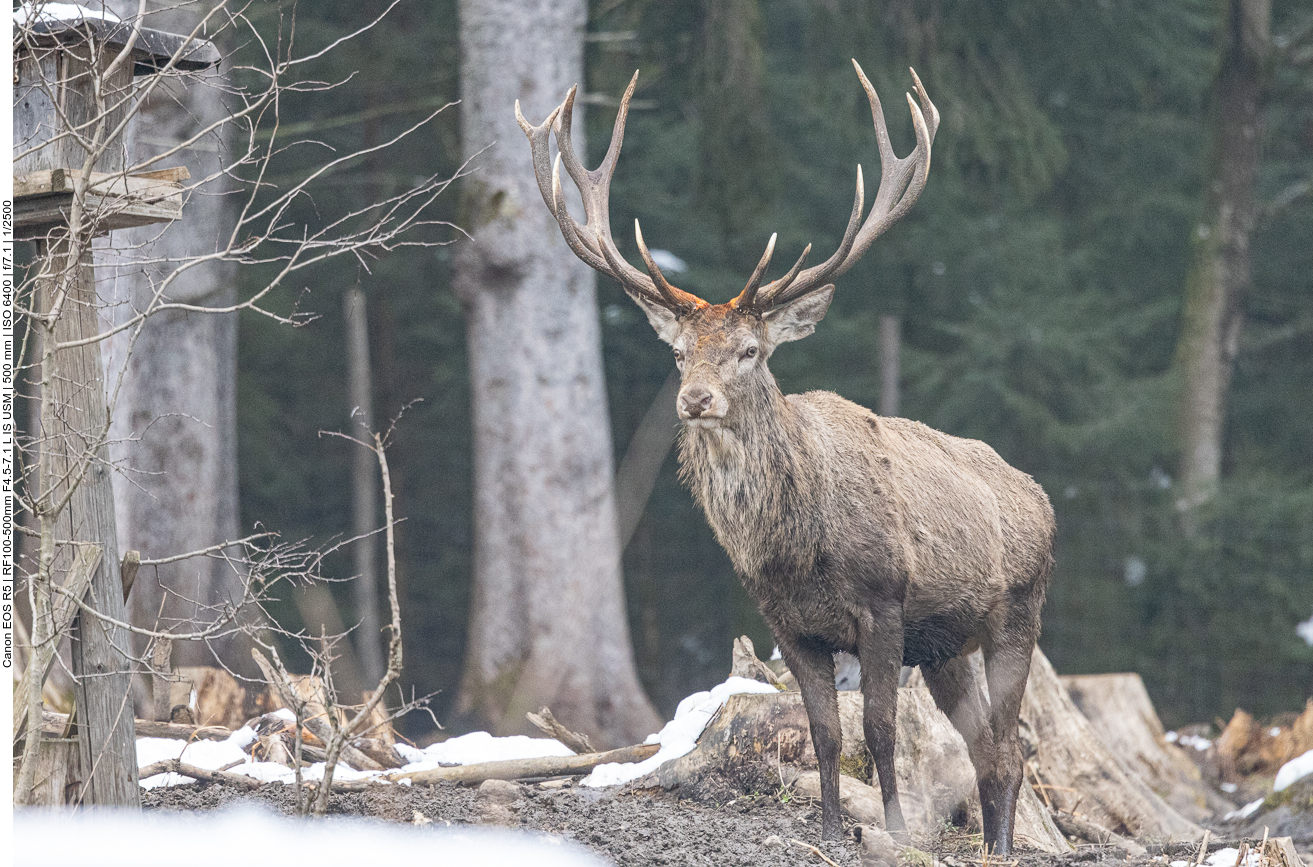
column 1244, row 812
column 1195, row 741
column 1295, row 769
column 481, row 747
column 1228, row 857
column 222, row 838
column 680, row 735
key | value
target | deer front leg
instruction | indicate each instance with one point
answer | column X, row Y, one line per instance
column 880, row 651
column 813, row 666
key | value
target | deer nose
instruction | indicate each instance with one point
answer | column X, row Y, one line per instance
column 695, row 400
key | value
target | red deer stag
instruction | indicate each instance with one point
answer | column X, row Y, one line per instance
column 877, row 536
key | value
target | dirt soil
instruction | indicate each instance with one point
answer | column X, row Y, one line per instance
column 628, row 828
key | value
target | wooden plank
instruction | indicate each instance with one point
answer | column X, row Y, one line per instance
column 177, row 173
column 102, row 680
column 56, row 724
column 147, row 185
column 35, row 216
column 63, row 609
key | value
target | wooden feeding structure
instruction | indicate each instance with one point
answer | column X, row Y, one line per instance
column 67, row 80
column 74, row 91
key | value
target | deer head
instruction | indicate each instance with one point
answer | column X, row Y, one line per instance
column 722, row 349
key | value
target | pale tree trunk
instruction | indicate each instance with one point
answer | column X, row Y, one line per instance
column 890, row 338
column 174, row 426
column 548, row 623
column 1220, row 273
column 364, row 488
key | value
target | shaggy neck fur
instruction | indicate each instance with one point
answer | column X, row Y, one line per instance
column 754, row 483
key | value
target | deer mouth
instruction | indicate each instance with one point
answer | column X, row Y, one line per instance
column 705, row 422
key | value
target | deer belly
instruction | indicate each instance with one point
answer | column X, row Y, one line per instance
column 936, row 638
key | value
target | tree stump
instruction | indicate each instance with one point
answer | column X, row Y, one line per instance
column 749, row 743
column 1078, row 772
column 1119, row 710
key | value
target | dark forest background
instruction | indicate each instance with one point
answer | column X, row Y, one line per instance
column 1039, row 283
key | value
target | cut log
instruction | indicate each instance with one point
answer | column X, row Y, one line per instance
column 219, row 699
column 1078, row 770
column 1280, row 852
column 1247, row 747
column 1120, row 711
column 520, row 769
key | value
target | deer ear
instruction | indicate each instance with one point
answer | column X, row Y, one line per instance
column 798, row 318
column 664, row 321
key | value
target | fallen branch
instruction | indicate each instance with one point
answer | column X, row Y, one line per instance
column 518, row 769
column 551, row 727
column 812, row 849
column 1079, row 829
column 176, row 766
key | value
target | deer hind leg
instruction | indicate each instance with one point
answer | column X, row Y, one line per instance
column 813, row 666
column 1007, row 666
column 880, row 651
column 955, row 687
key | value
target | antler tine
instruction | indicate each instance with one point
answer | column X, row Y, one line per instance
column 592, row 242
column 901, row 183
column 540, row 148
column 775, row 293
column 673, row 298
column 781, row 293
column 749, row 294
column 570, row 230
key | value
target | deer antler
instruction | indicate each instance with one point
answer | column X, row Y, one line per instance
column 901, row 183
column 592, row 242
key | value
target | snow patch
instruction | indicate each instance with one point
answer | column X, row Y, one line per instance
column 210, row 755
column 27, row 14
column 1305, row 631
column 1295, row 769
column 482, row 747
column 110, row 838
column 1195, row 741
column 1243, row 813
column 1228, row 857
column 680, row 735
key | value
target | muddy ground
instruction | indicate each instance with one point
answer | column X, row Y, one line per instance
column 628, row 828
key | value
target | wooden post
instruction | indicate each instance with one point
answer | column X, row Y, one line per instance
column 63, row 78
column 102, row 676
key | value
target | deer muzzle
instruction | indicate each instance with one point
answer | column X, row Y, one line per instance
column 699, row 402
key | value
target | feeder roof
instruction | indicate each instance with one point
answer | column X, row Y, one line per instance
column 152, row 50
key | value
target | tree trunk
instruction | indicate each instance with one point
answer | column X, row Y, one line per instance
column 548, row 623
column 364, row 489
column 174, row 426
column 1219, row 275
column 890, row 338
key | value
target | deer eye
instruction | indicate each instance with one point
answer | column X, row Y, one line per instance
column 679, row 356
column 750, row 352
